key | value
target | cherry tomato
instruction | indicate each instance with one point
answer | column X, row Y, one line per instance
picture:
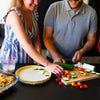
column 65, row 75
column 73, row 83
column 59, row 75
column 76, row 85
column 84, row 74
column 60, row 83
column 41, row 69
column 85, row 86
column 68, row 76
column 81, row 86
column 76, row 67
column 81, row 69
column 47, row 75
column 68, row 69
column 57, row 79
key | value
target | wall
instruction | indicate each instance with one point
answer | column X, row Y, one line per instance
column 42, row 8
column 3, row 7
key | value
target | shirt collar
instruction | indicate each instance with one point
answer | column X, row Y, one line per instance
column 67, row 7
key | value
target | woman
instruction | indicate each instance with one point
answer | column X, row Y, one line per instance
column 22, row 36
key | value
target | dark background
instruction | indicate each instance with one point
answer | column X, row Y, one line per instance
column 1, row 34
column 42, row 8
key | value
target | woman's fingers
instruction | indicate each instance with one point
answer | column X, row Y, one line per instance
column 58, row 70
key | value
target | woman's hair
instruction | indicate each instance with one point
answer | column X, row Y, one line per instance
column 16, row 4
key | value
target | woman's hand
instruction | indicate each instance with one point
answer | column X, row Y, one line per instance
column 56, row 69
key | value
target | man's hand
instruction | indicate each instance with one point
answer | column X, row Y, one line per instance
column 59, row 59
column 77, row 56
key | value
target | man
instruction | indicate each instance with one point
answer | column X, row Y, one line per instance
column 66, row 24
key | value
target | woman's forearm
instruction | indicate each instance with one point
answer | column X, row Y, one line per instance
column 34, row 54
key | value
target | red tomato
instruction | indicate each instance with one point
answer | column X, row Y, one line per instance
column 47, row 75
column 68, row 69
column 81, row 69
column 60, row 83
column 59, row 75
column 57, row 79
column 76, row 85
column 65, row 75
column 81, row 86
column 41, row 69
column 85, row 86
column 76, row 67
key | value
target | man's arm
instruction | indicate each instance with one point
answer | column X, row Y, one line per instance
column 91, row 39
column 47, row 37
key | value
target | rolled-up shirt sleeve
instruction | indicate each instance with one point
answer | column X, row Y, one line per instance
column 93, row 23
column 50, row 16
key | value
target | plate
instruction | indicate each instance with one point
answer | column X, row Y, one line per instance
column 33, row 74
column 8, row 85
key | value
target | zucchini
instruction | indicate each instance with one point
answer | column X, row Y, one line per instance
column 65, row 78
column 73, row 76
column 97, row 73
column 66, row 66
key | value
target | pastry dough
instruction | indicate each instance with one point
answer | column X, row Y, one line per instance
column 5, row 80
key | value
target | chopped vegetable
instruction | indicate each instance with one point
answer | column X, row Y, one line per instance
column 65, row 79
column 97, row 73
